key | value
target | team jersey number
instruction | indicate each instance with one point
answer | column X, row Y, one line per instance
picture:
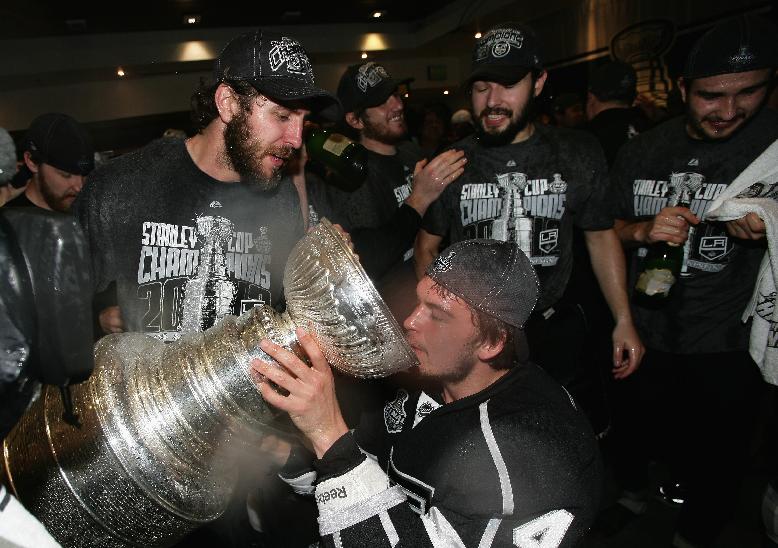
column 546, row 531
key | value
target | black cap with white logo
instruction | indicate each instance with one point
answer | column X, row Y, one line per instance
column 505, row 54
column 277, row 66
column 366, row 85
column 739, row 44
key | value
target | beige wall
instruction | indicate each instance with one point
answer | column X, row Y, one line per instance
column 76, row 74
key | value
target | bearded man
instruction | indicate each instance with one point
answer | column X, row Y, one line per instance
column 192, row 230
column 58, row 155
column 529, row 184
column 400, row 183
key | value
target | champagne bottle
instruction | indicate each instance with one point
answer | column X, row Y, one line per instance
column 662, row 267
column 345, row 159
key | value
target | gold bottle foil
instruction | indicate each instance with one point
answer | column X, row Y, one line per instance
column 150, row 460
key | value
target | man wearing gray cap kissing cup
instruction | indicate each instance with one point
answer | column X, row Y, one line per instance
column 494, row 453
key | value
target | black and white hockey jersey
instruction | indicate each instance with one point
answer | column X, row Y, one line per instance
column 513, row 465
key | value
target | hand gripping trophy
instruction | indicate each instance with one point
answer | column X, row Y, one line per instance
column 146, row 465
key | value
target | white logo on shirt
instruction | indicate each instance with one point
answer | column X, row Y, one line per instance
column 215, row 204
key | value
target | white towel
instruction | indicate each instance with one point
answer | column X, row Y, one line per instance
column 755, row 190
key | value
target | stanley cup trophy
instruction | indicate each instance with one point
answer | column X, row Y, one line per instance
column 146, row 464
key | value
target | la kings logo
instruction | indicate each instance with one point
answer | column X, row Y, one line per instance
column 394, row 413
column 290, row 54
column 424, row 407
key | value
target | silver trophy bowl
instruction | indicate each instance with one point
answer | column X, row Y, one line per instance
column 151, row 458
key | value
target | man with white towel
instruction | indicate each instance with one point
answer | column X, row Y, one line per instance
column 698, row 388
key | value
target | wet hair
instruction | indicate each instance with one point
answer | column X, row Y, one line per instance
column 203, row 102
column 492, row 330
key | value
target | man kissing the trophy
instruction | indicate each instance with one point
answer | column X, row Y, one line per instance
column 495, row 454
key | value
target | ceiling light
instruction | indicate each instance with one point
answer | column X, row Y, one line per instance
column 445, row 92
column 377, row 14
column 477, row 35
column 406, row 95
column 120, row 72
column 192, row 19
column 364, row 55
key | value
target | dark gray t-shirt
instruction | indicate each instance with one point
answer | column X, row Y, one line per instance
column 184, row 248
column 654, row 170
column 553, row 179
column 387, row 186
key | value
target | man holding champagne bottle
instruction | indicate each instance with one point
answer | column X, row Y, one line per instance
column 400, row 185
column 698, row 386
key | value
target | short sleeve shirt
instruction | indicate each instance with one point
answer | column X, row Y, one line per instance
column 661, row 167
column 531, row 193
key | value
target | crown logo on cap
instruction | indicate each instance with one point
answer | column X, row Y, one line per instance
column 370, row 75
column 290, row 54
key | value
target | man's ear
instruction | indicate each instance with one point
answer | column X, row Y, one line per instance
column 354, row 121
column 487, row 351
column 32, row 166
column 226, row 102
column 682, row 88
column 540, row 81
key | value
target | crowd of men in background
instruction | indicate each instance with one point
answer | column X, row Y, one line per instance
column 581, row 193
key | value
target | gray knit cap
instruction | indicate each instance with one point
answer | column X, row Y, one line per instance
column 491, row 276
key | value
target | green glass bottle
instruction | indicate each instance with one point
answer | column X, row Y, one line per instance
column 345, row 159
column 662, row 267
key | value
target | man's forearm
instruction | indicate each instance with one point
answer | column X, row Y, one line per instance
column 608, row 264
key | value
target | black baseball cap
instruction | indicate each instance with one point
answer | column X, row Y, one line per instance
column 505, row 54
column 366, row 85
column 277, row 66
column 613, row 79
column 738, row 44
column 60, row 141
column 492, row 276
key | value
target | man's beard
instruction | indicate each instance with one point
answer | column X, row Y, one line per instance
column 455, row 373
column 507, row 135
column 245, row 154
column 56, row 203
column 381, row 133
column 698, row 130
